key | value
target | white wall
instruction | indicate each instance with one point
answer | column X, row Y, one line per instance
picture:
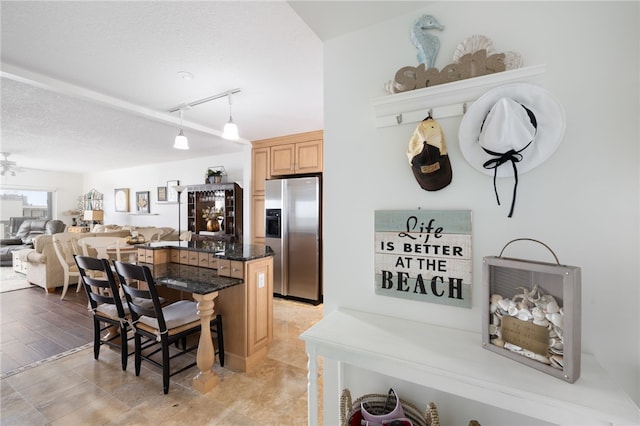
column 67, row 187
column 583, row 202
column 148, row 178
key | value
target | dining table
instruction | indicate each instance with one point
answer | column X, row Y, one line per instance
column 204, row 285
column 121, row 250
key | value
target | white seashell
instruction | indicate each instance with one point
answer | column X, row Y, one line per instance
column 557, row 361
column 527, row 353
column 512, row 347
column 392, row 87
column 495, row 298
column 538, row 313
column 552, row 307
column 513, row 60
column 493, row 329
column 504, row 304
column 513, row 311
column 473, row 44
column 524, row 315
column 542, row 322
column 495, row 319
column 556, row 319
column 557, row 348
column 493, row 307
column 498, row 342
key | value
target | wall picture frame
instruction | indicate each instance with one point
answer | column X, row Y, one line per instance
column 142, row 202
column 172, row 194
column 162, row 194
column 121, row 199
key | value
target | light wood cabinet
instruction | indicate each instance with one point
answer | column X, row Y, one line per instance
column 154, row 256
column 257, row 220
column 260, row 166
column 297, row 154
column 247, row 310
column 296, row 158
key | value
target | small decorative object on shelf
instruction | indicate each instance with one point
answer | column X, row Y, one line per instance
column 211, row 214
column 532, row 313
column 215, row 174
column 475, row 56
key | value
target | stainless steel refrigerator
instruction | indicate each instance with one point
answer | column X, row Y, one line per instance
column 293, row 231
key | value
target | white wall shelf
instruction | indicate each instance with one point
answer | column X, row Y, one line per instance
column 454, row 361
column 443, row 100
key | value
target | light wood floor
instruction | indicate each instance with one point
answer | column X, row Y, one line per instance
column 78, row 390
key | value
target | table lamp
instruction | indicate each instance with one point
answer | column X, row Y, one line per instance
column 93, row 216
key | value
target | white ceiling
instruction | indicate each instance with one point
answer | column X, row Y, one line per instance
column 89, row 85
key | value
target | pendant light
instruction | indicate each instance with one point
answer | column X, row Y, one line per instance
column 230, row 131
column 181, row 141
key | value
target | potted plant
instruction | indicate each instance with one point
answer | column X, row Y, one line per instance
column 214, row 176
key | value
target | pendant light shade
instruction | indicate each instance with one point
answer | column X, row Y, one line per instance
column 181, row 141
column 230, row 131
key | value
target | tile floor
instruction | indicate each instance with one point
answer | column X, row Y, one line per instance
column 77, row 390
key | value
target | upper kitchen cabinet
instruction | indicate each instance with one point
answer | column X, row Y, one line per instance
column 289, row 155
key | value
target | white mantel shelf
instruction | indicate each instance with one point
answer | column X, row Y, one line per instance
column 444, row 100
column 454, row 361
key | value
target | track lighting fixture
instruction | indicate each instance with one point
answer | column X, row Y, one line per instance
column 230, row 131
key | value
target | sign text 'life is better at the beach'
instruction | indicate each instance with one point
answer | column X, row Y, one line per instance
column 424, row 255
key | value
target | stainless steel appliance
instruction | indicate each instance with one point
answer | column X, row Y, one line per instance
column 293, row 231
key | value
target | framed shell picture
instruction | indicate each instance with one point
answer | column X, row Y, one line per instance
column 142, row 202
column 532, row 313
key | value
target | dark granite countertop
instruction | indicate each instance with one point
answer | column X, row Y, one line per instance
column 221, row 249
column 192, row 279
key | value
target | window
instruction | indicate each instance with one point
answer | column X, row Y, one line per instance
column 23, row 204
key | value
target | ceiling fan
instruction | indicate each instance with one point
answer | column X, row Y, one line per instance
column 8, row 166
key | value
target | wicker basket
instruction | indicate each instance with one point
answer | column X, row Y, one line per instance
column 349, row 408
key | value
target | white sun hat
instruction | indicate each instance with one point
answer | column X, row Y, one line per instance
column 511, row 129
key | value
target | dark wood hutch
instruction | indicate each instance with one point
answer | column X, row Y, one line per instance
column 226, row 200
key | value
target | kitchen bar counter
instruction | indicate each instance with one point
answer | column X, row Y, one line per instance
column 220, row 249
column 192, row 279
column 244, row 275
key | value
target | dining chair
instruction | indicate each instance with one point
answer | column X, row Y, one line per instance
column 161, row 326
column 105, row 305
column 65, row 248
column 97, row 246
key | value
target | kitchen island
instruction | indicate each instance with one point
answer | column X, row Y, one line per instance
column 245, row 302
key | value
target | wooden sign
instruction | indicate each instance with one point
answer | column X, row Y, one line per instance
column 469, row 65
column 424, row 255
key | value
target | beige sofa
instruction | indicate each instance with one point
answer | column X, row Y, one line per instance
column 44, row 268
